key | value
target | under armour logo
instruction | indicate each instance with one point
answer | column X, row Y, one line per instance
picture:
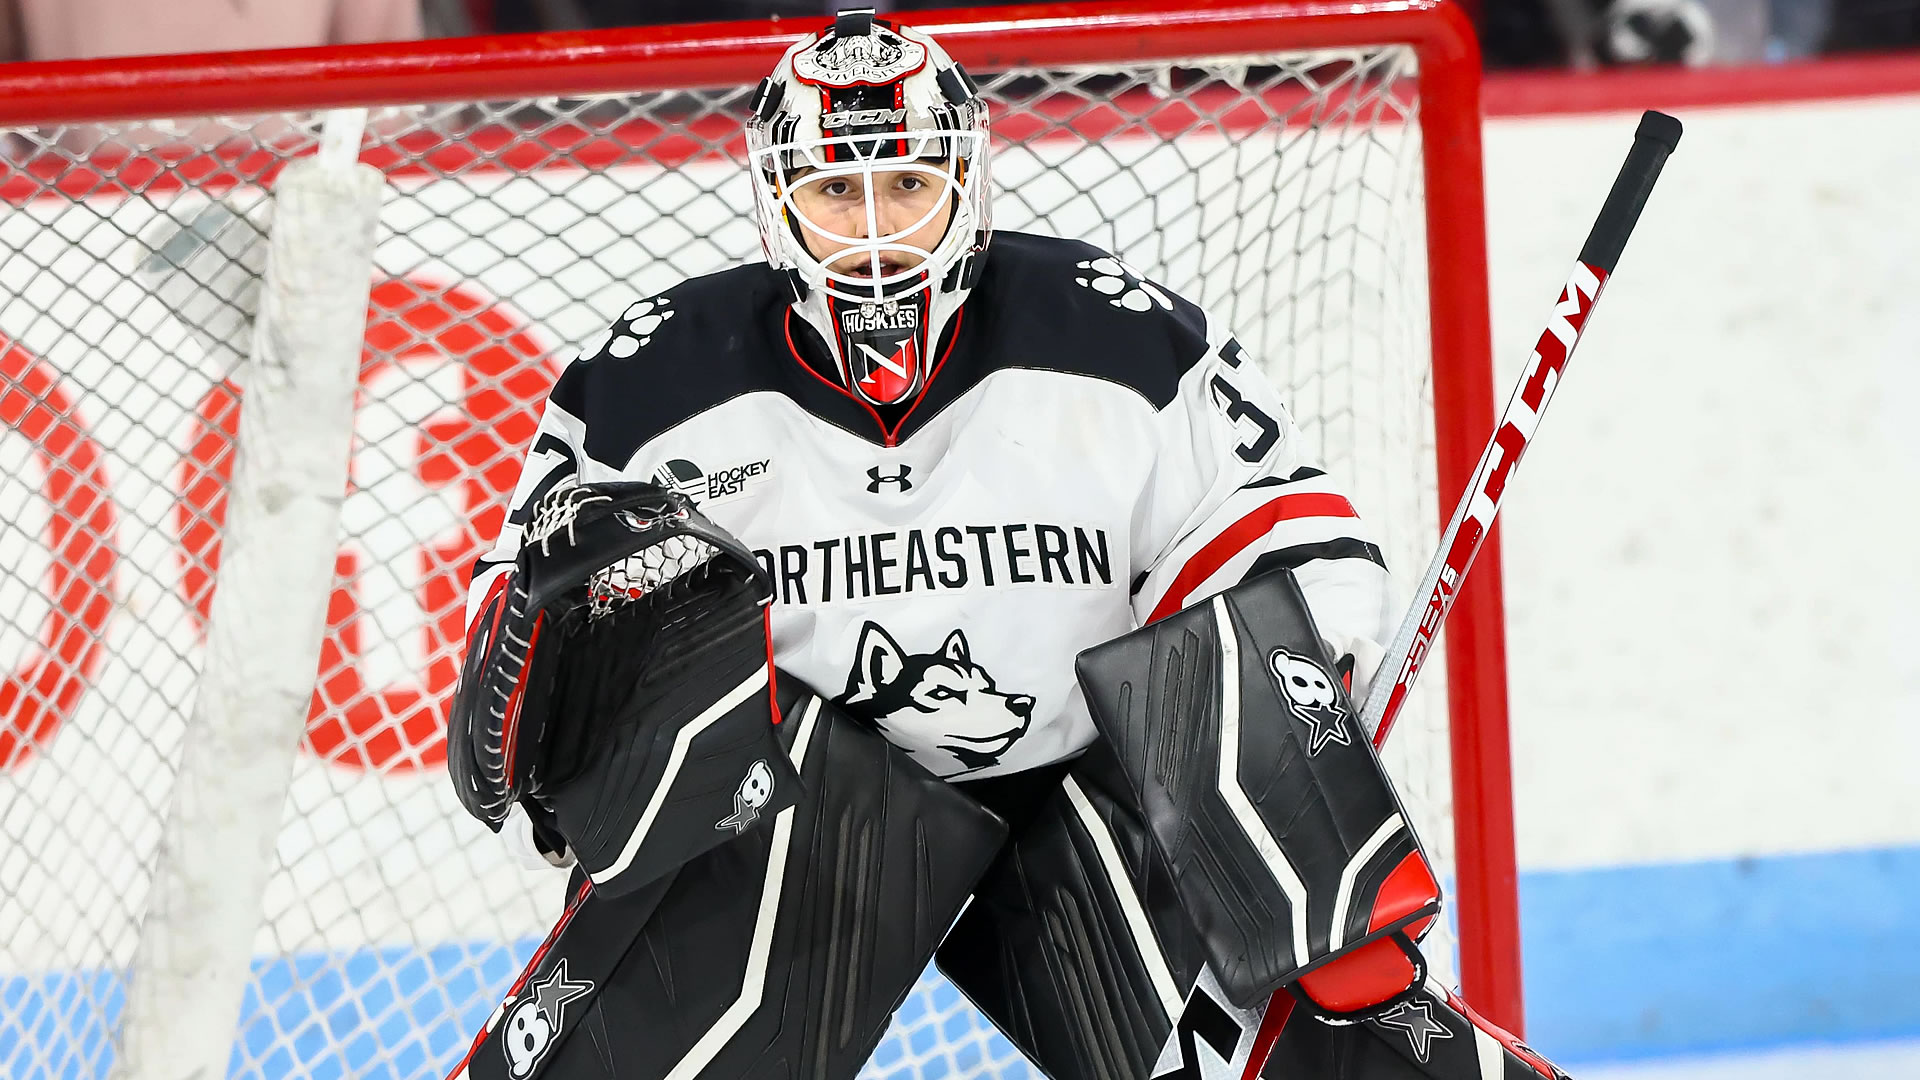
column 874, row 479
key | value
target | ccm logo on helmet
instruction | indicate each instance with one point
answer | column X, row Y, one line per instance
column 861, row 117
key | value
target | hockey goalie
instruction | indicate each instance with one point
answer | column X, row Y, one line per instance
column 929, row 594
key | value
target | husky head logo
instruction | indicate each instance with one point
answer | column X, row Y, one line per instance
column 941, row 707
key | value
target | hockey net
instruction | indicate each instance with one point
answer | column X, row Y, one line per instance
column 1282, row 165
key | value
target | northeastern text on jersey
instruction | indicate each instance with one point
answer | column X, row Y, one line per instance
column 944, row 558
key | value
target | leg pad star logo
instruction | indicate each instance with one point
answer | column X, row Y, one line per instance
column 535, row 1024
column 1312, row 698
column 1416, row 1019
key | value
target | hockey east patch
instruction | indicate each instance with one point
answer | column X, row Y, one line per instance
column 684, row 477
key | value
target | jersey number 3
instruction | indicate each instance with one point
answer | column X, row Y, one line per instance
column 1240, row 409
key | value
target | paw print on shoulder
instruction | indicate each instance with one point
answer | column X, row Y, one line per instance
column 631, row 332
column 1122, row 285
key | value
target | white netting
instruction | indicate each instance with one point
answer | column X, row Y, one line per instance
column 645, row 571
column 1283, row 191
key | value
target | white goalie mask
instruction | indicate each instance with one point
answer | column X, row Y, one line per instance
column 866, row 137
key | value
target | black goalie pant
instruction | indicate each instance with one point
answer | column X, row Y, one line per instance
column 783, row 953
column 1075, row 947
column 778, row 955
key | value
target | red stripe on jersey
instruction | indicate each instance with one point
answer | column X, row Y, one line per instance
column 1242, row 535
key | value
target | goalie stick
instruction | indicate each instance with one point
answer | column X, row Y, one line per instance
column 1655, row 138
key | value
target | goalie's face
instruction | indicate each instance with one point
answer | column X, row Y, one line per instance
column 879, row 223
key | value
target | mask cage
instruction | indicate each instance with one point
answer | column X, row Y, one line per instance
column 952, row 157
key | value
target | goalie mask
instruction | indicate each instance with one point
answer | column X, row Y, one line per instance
column 869, row 147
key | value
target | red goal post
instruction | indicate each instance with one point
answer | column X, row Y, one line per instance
column 1038, row 37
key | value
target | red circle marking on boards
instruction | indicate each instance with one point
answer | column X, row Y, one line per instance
column 40, row 693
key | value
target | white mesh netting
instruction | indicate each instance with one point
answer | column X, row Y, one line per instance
column 1282, row 191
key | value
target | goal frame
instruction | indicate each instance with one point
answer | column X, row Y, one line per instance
column 707, row 55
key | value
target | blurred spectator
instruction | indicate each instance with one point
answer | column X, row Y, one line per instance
column 514, row 16
column 1585, row 34
column 78, row 29
column 1582, row 34
column 510, row 16
column 1799, row 27
column 1874, row 25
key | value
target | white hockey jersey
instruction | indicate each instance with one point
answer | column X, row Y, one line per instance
column 1090, row 452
